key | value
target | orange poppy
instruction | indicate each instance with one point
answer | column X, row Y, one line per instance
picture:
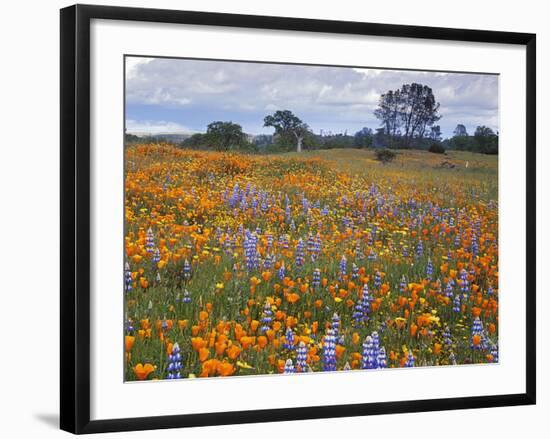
column 143, row 371
column 129, row 342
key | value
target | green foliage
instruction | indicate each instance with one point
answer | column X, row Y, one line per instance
column 363, row 138
column 384, row 155
column 289, row 128
column 224, row 136
column 195, row 141
column 460, row 131
column 461, row 143
column 486, row 141
column 406, row 113
column 131, row 139
column 221, row 136
column 437, row 148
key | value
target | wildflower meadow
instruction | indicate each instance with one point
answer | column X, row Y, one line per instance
column 251, row 264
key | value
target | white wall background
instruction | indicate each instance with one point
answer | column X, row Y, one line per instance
column 29, row 188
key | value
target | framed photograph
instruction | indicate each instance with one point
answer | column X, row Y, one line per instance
column 268, row 218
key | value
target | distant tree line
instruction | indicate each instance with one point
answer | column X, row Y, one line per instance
column 484, row 140
column 407, row 116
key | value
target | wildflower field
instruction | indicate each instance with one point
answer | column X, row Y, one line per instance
column 306, row 262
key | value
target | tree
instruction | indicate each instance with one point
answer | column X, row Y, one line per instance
column 461, row 140
column 195, row 141
column 486, row 141
column 287, row 124
column 419, row 110
column 363, row 138
column 460, row 131
column 388, row 111
column 225, row 135
column 407, row 112
column 435, row 133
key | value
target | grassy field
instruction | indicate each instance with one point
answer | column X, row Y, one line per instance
column 319, row 261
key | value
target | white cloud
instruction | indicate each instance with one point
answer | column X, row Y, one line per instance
column 155, row 127
column 321, row 96
column 132, row 64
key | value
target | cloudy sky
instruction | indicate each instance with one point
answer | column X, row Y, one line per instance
column 178, row 95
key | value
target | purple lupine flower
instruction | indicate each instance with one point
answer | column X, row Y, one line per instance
column 174, row 363
column 316, row 247
column 410, row 359
column 449, row 289
column 156, row 255
column 335, row 324
column 150, row 241
column 186, row 297
column 235, row 195
column 226, row 245
column 494, row 352
column 477, row 329
column 316, row 281
column 250, row 251
column 369, row 356
column 464, row 284
column 130, row 326
column 475, row 245
column 289, row 367
column 377, row 280
column 267, row 317
column 310, row 243
column 329, row 351
column 458, row 239
column 301, row 357
column 419, row 249
column 289, row 339
column 382, row 362
column 447, row 338
column 456, row 303
column 359, row 255
column 127, row 277
column 282, row 272
column 376, row 341
column 343, row 266
column 186, row 270
column 299, row 261
column 268, row 261
column 362, row 307
column 429, row 269
column 354, row 271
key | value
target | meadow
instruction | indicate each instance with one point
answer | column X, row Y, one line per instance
column 307, row 262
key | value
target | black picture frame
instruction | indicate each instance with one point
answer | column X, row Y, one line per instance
column 75, row 217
